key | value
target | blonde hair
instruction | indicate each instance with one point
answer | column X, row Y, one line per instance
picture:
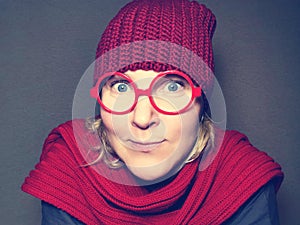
column 205, row 139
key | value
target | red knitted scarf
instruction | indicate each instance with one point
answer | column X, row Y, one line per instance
column 192, row 197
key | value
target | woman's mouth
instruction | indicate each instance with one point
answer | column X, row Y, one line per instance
column 145, row 147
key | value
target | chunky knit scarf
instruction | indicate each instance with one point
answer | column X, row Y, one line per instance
column 191, row 197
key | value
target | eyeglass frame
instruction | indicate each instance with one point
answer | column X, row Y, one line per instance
column 196, row 92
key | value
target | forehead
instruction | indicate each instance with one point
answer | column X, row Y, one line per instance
column 141, row 74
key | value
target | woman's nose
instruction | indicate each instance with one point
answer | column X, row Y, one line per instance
column 144, row 115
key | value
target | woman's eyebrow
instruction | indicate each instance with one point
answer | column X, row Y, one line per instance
column 115, row 77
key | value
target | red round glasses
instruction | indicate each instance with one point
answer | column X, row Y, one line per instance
column 170, row 92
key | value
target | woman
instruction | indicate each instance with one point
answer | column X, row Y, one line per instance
column 152, row 154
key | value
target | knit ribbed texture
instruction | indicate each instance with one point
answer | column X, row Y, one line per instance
column 159, row 35
column 193, row 197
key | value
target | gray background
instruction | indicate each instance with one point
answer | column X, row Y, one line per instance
column 47, row 45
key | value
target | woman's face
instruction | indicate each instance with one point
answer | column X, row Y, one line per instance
column 151, row 144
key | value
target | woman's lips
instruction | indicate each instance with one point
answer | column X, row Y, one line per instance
column 145, row 147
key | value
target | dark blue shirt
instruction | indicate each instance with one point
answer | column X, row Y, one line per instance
column 260, row 209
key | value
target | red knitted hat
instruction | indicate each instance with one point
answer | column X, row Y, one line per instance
column 159, row 35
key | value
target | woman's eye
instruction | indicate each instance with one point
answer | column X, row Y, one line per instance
column 120, row 87
column 173, row 86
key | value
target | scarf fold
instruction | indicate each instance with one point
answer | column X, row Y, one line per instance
column 192, row 196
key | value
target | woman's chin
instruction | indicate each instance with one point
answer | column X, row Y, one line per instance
column 152, row 174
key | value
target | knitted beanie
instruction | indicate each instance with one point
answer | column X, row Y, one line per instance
column 159, row 35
